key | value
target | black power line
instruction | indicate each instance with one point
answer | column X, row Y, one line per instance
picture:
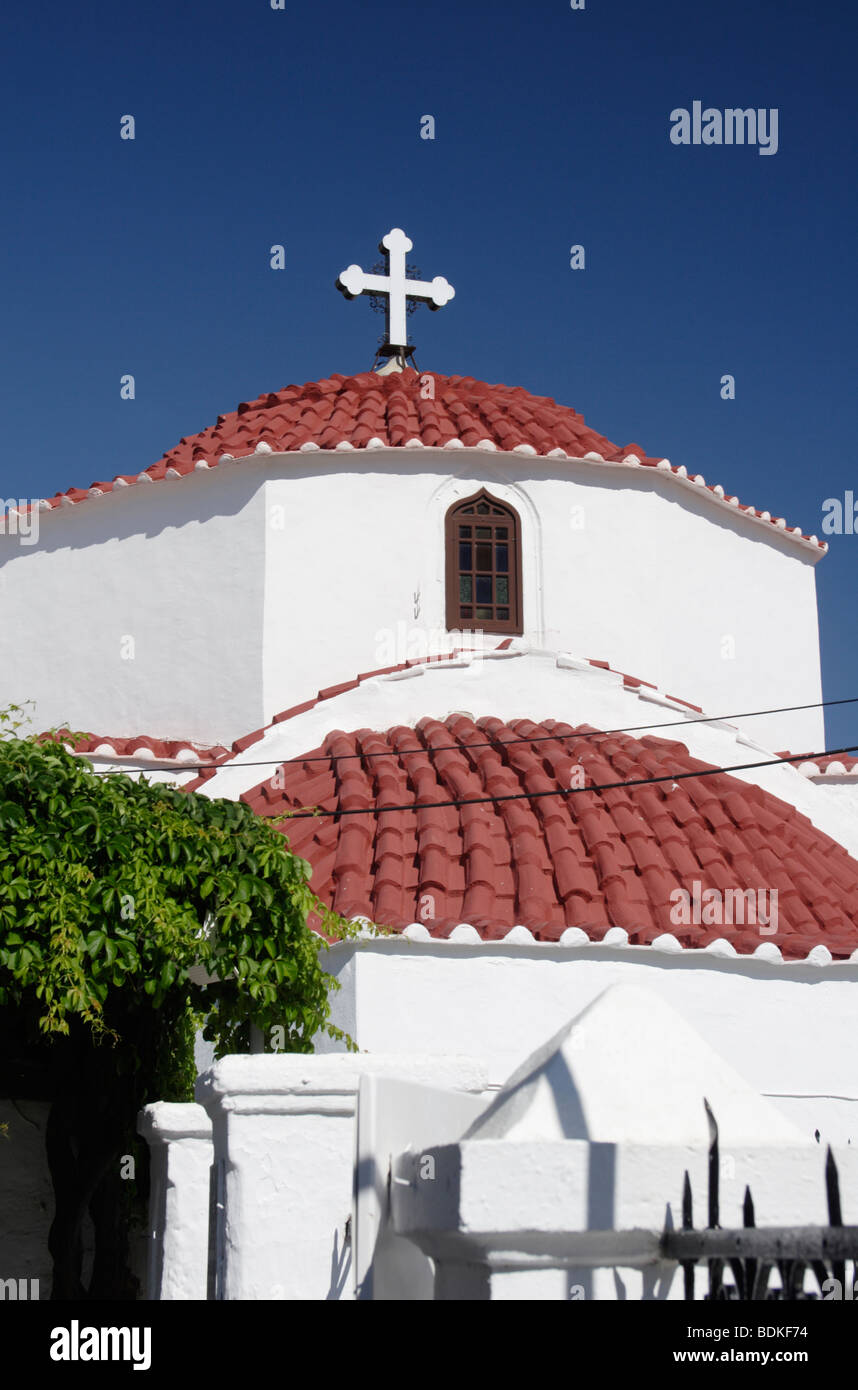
column 562, row 791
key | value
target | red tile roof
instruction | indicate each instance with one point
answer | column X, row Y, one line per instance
column 592, row 860
column 834, row 764
column 369, row 411
column 139, row 747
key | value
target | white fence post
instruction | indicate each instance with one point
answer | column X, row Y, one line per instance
column 180, row 1146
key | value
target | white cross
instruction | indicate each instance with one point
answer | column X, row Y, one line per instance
column 353, row 281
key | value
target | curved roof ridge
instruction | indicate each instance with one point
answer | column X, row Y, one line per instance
column 505, row 649
column 145, row 746
column 124, row 745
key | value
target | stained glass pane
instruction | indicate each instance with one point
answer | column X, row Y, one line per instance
column 502, row 558
column 501, row 532
column 484, row 613
column 501, row 590
column 484, row 588
column 484, row 558
column 467, row 511
column 466, row 612
column 482, row 508
column 465, row 532
column 464, row 555
column 466, row 588
column 503, row 615
column 484, row 533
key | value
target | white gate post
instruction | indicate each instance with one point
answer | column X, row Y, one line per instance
column 180, row 1147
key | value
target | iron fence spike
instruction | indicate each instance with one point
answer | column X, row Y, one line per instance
column 832, row 1190
column 687, row 1204
column 714, row 1166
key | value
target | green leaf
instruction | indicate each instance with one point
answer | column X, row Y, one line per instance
column 104, row 886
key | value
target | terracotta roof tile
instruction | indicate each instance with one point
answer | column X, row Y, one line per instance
column 833, row 764
column 591, row 859
column 140, row 746
column 355, row 410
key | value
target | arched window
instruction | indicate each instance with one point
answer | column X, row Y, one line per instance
column 483, row 538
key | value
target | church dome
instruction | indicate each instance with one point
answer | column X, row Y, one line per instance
column 511, row 852
column 368, row 410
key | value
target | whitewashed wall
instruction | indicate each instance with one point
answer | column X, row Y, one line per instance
column 246, row 599
column 178, row 566
column 655, row 580
column 788, row 1029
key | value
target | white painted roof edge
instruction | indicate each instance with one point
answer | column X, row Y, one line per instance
column 663, row 468
column 615, row 941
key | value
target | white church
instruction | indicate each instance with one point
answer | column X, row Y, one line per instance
column 546, row 708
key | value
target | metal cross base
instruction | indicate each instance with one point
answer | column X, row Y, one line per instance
column 397, row 358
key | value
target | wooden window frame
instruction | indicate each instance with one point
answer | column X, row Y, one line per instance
column 512, row 626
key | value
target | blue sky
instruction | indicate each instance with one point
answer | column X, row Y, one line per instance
column 302, row 127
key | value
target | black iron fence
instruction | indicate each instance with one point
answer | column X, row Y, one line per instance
column 741, row 1261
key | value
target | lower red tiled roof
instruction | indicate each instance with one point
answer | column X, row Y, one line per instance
column 813, row 766
column 592, row 860
column 138, row 746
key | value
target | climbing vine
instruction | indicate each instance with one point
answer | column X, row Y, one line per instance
column 130, row 914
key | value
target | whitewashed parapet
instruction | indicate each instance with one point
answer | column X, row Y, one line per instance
column 180, row 1145
column 565, row 1181
column 575, row 1219
column 284, row 1147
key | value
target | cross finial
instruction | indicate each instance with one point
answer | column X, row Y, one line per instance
column 397, row 288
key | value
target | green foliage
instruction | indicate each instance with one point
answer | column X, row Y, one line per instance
column 174, row 1068
column 130, row 915
column 118, row 895
column 13, row 718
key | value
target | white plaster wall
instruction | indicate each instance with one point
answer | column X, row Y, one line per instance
column 788, row 1029
column 178, row 566
column 249, row 587
column 621, row 565
column 842, row 794
column 661, row 584
column 285, row 1141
